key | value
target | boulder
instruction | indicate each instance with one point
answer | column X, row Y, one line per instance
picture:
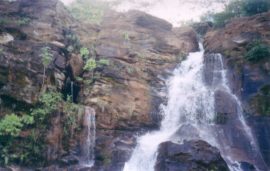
column 189, row 156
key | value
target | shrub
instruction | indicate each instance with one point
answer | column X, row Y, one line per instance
column 237, row 8
column 84, row 52
column 257, row 51
column 49, row 103
column 90, row 65
column 11, row 125
column 103, row 62
column 47, row 56
column 252, row 7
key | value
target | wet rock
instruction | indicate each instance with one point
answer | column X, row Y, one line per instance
column 136, row 56
column 191, row 155
column 226, row 106
column 247, row 166
column 69, row 160
column 6, row 38
column 54, row 139
column 31, row 26
column 76, row 65
column 203, row 27
column 113, row 149
column 260, row 126
column 247, row 79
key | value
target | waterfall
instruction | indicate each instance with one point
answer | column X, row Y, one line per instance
column 88, row 137
column 190, row 113
column 72, row 91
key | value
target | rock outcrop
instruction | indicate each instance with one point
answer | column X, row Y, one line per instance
column 138, row 48
column 249, row 80
column 191, row 155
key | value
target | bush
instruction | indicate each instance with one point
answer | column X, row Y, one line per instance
column 49, row 103
column 84, row 52
column 237, row 8
column 257, row 51
column 11, row 125
column 90, row 65
column 252, row 7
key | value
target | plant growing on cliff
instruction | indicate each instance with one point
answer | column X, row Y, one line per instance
column 46, row 57
column 90, row 65
column 11, row 125
column 257, row 51
column 49, row 102
column 237, row 8
column 252, row 7
column 84, row 52
column 72, row 116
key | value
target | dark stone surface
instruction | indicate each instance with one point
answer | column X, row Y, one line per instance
column 189, row 156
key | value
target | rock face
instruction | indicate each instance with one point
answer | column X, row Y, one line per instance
column 139, row 49
column 26, row 33
column 189, row 156
column 249, row 80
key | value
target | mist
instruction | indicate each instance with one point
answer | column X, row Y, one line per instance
column 177, row 12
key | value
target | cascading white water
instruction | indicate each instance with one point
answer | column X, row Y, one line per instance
column 89, row 137
column 186, row 92
column 189, row 113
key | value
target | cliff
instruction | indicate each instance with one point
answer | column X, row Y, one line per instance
column 137, row 50
column 249, row 77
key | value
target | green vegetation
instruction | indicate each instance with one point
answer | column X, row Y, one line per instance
column 48, row 103
column 89, row 11
column 11, row 125
column 46, row 57
column 237, row 8
column 20, row 21
column 84, row 52
column 252, row 7
column 126, row 36
column 90, row 65
column 257, row 51
column 261, row 101
column 28, row 149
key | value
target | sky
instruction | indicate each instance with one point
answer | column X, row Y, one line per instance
column 176, row 12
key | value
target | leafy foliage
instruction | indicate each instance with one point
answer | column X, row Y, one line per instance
column 252, row 7
column 257, row 51
column 237, row 8
column 103, row 62
column 90, row 65
column 11, row 125
column 84, row 52
column 47, row 56
column 49, row 103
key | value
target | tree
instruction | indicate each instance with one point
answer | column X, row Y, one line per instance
column 252, row 7
column 47, row 58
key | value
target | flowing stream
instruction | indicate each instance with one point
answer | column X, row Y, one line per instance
column 190, row 113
